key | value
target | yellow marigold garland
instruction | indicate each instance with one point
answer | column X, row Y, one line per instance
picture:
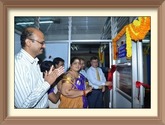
column 128, row 44
column 139, row 28
column 135, row 31
column 101, row 55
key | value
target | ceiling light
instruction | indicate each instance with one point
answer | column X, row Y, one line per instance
column 28, row 23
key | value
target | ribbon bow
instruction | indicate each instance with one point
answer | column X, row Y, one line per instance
column 138, row 84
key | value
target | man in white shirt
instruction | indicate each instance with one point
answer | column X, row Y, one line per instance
column 98, row 81
column 30, row 88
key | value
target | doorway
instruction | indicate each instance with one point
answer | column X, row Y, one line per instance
column 86, row 50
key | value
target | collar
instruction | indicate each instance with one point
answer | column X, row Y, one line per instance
column 29, row 57
column 94, row 67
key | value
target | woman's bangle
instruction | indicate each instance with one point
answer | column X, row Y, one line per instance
column 84, row 93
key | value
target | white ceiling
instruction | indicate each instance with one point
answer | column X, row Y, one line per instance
column 81, row 27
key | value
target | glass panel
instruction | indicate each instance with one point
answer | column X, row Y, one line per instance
column 87, row 28
column 124, row 79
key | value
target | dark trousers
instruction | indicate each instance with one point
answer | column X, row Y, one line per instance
column 95, row 99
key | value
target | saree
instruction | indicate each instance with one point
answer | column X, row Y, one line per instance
column 77, row 84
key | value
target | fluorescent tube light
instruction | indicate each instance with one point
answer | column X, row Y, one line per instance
column 46, row 22
column 25, row 23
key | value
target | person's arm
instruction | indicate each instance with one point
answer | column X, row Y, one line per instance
column 107, row 83
column 27, row 93
column 66, row 89
column 41, row 86
column 54, row 97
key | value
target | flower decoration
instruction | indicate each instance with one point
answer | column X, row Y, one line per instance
column 139, row 28
column 134, row 31
column 128, row 44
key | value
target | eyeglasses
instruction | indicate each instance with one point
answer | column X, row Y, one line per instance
column 42, row 43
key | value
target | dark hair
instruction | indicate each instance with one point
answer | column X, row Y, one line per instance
column 27, row 33
column 93, row 58
column 57, row 60
column 88, row 64
column 82, row 59
column 73, row 59
column 45, row 66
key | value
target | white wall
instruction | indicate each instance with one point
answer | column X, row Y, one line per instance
column 17, row 43
column 57, row 49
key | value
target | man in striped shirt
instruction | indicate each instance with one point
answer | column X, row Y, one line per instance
column 30, row 88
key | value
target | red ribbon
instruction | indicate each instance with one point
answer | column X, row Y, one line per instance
column 110, row 75
column 138, row 84
column 110, row 87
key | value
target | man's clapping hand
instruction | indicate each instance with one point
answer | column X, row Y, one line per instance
column 53, row 74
